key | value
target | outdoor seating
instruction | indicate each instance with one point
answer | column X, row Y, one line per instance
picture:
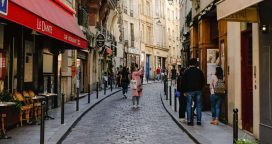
column 25, row 108
column 37, row 104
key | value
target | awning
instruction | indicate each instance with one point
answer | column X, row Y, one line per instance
column 228, row 7
column 48, row 18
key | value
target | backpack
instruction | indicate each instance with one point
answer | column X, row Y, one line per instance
column 220, row 87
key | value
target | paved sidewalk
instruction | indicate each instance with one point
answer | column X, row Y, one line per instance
column 206, row 133
column 54, row 131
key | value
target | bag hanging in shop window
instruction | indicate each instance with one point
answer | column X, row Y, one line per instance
column 2, row 65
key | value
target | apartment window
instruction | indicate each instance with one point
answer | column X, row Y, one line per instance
column 143, row 32
column 148, row 35
column 168, row 14
column 132, row 38
column 173, row 17
column 125, row 30
column 148, row 8
column 126, row 6
column 131, row 8
column 157, row 9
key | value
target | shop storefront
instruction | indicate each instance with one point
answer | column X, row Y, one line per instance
column 31, row 39
column 133, row 57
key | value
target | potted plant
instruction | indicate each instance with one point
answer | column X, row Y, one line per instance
column 5, row 96
column 246, row 141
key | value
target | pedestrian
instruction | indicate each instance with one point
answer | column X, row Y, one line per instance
column 158, row 73
column 173, row 74
column 105, row 80
column 138, row 91
column 194, row 82
column 117, row 77
column 182, row 98
column 216, row 96
column 124, row 81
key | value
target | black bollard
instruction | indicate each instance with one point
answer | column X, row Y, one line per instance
column 89, row 92
column 111, row 86
column 170, row 95
column 42, row 123
column 62, row 108
column 235, row 125
column 97, row 87
column 77, row 100
column 105, row 88
column 175, row 101
column 167, row 91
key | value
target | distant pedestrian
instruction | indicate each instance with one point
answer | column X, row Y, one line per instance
column 182, row 98
column 158, row 73
column 217, row 90
column 173, row 74
column 138, row 91
column 117, row 77
column 194, row 82
column 105, row 79
column 124, row 81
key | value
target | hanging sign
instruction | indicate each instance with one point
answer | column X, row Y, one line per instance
column 4, row 7
column 100, row 40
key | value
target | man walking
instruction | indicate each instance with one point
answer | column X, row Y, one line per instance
column 194, row 82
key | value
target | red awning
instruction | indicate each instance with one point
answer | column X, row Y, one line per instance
column 48, row 18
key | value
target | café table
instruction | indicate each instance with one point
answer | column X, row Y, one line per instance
column 3, row 105
column 36, row 98
column 47, row 96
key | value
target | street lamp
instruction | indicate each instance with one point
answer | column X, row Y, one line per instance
column 170, row 2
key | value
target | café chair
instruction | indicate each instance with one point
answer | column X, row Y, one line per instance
column 37, row 104
column 25, row 108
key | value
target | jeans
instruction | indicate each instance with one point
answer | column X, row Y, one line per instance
column 216, row 105
column 198, row 96
column 137, row 99
column 125, row 87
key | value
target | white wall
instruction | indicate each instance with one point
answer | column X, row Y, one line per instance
column 256, row 81
column 234, row 64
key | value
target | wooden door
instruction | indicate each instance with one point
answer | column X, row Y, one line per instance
column 247, row 80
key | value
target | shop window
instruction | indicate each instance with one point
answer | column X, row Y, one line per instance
column 28, row 61
column 47, row 63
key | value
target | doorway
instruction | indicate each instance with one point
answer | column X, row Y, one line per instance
column 246, row 79
column 147, row 67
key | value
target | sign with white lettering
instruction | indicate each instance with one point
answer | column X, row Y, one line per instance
column 100, row 40
column 44, row 26
column 246, row 15
column 4, row 7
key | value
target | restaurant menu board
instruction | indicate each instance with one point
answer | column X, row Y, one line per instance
column 28, row 61
column 212, row 62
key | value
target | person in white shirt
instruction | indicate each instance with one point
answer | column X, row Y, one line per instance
column 216, row 99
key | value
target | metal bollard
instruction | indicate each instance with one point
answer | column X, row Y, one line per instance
column 89, row 92
column 105, row 89
column 111, row 85
column 235, row 125
column 170, row 95
column 97, row 87
column 62, row 108
column 167, row 92
column 77, row 100
column 175, row 101
column 42, row 123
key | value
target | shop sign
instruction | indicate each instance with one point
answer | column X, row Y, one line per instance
column 4, row 7
column 100, row 40
column 44, row 26
column 246, row 15
column 133, row 51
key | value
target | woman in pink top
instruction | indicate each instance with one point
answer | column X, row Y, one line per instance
column 136, row 93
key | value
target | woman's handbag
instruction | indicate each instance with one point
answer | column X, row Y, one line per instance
column 133, row 84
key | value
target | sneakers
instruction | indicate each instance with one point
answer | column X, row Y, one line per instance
column 198, row 123
column 190, row 123
column 134, row 106
column 182, row 120
column 215, row 122
column 125, row 96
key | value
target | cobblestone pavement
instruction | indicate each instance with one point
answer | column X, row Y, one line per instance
column 114, row 121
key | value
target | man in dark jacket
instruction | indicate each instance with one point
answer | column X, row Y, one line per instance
column 194, row 82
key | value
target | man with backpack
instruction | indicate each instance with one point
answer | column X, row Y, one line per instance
column 194, row 82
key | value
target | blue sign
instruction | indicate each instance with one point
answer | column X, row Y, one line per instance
column 4, row 7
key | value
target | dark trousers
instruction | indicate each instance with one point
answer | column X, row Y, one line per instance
column 182, row 106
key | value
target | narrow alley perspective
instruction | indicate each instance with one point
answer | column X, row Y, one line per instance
column 135, row 72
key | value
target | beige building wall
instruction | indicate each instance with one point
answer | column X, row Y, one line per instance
column 234, row 74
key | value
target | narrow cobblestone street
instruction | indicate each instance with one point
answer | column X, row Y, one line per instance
column 114, row 121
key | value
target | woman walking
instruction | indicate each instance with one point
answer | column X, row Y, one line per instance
column 124, row 81
column 216, row 98
column 182, row 98
column 138, row 91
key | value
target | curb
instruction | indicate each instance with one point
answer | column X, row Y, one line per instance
column 66, row 129
column 178, row 123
